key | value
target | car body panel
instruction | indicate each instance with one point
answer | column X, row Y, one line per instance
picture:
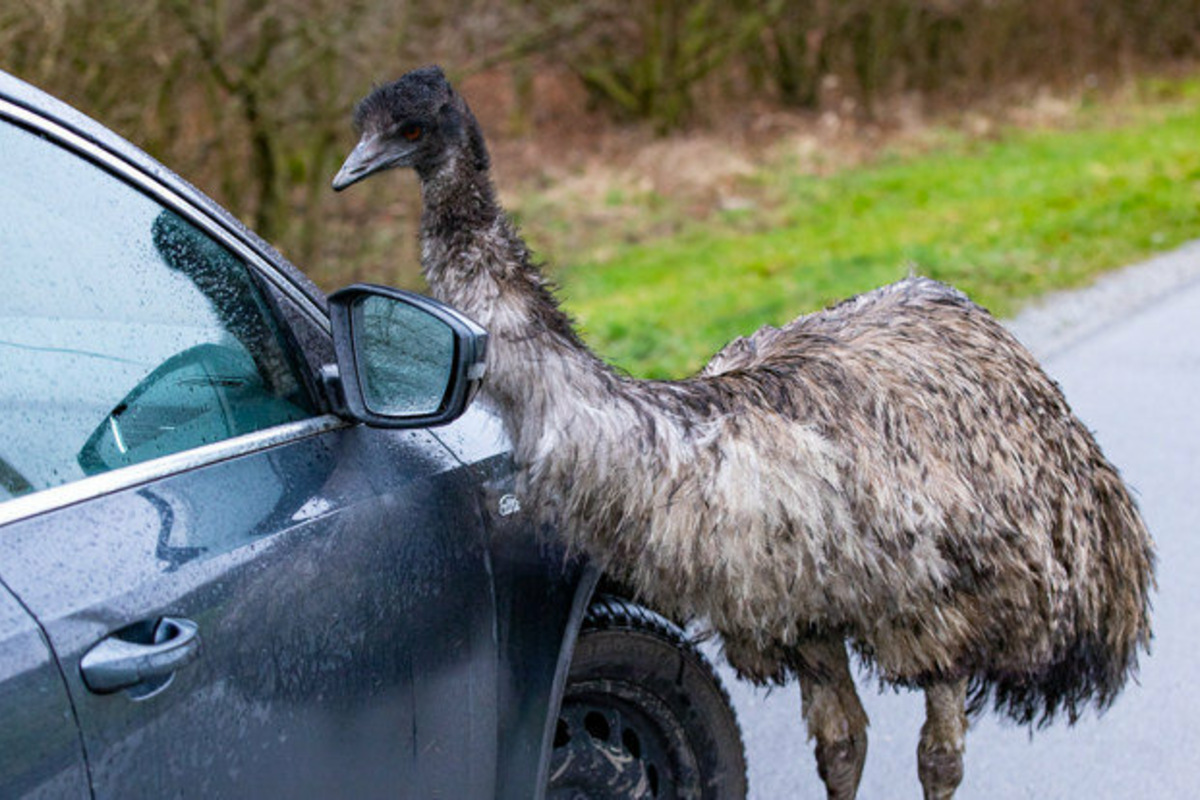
column 541, row 595
column 40, row 751
column 334, row 640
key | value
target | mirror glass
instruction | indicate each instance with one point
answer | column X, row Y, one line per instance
column 405, row 357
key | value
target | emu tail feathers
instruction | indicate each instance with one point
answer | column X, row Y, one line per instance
column 1112, row 623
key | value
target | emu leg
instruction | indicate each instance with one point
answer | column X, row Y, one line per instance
column 835, row 717
column 943, row 740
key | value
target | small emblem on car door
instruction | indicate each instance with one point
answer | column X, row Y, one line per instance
column 509, row 505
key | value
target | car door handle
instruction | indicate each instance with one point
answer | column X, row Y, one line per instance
column 122, row 662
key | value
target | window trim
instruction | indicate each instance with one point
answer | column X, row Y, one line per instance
column 66, row 494
column 56, row 497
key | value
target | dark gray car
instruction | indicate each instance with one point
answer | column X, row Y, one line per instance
column 255, row 543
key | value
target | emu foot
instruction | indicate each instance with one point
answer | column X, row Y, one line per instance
column 840, row 765
column 940, row 767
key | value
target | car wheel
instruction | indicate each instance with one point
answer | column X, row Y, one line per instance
column 643, row 716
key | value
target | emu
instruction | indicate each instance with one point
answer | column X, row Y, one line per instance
column 895, row 472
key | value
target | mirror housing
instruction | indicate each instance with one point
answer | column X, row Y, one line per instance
column 403, row 360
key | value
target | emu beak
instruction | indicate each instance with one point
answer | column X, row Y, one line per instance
column 372, row 154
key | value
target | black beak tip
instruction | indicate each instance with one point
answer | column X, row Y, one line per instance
column 346, row 178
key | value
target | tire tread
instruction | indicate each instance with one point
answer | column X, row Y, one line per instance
column 609, row 612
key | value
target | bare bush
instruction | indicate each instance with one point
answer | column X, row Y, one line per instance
column 249, row 98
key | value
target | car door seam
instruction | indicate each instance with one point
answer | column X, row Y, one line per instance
column 62, row 676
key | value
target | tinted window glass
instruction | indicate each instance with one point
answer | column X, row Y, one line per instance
column 126, row 333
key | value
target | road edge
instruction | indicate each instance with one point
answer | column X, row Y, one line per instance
column 1057, row 321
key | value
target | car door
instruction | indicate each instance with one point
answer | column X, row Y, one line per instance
column 40, row 752
column 245, row 597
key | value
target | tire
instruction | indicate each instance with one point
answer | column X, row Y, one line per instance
column 643, row 716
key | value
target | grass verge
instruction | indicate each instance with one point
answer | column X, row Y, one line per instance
column 1004, row 219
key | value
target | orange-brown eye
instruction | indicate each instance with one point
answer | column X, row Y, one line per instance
column 411, row 132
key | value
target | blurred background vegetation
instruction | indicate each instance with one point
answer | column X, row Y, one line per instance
column 696, row 165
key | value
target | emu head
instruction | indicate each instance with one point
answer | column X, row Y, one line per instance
column 419, row 122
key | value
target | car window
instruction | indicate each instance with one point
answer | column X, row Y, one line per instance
column 126, row 332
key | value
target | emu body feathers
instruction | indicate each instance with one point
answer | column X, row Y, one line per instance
column 895, row 470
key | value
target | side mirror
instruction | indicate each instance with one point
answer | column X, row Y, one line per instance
column 403, row 360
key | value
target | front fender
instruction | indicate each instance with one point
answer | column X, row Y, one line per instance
column 585, row 587
column 541, row 599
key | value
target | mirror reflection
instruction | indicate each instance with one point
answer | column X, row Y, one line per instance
column 405, row 357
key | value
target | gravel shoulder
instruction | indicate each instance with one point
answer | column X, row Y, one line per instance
column 1056, row 322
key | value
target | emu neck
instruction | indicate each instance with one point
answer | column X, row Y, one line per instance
column 474, row 259
column 459, row 201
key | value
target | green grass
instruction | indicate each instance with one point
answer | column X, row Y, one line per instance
column 1003, row 220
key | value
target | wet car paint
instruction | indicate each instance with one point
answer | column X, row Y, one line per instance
column 334, row 640
column 39, row 745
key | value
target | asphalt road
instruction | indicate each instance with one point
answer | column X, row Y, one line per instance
column 1127, row 354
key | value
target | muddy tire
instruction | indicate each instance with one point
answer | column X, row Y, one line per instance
column 643, row 716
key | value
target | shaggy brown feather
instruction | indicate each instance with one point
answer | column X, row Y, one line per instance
column 896, row 470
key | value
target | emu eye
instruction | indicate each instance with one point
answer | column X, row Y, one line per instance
column 411, row 132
